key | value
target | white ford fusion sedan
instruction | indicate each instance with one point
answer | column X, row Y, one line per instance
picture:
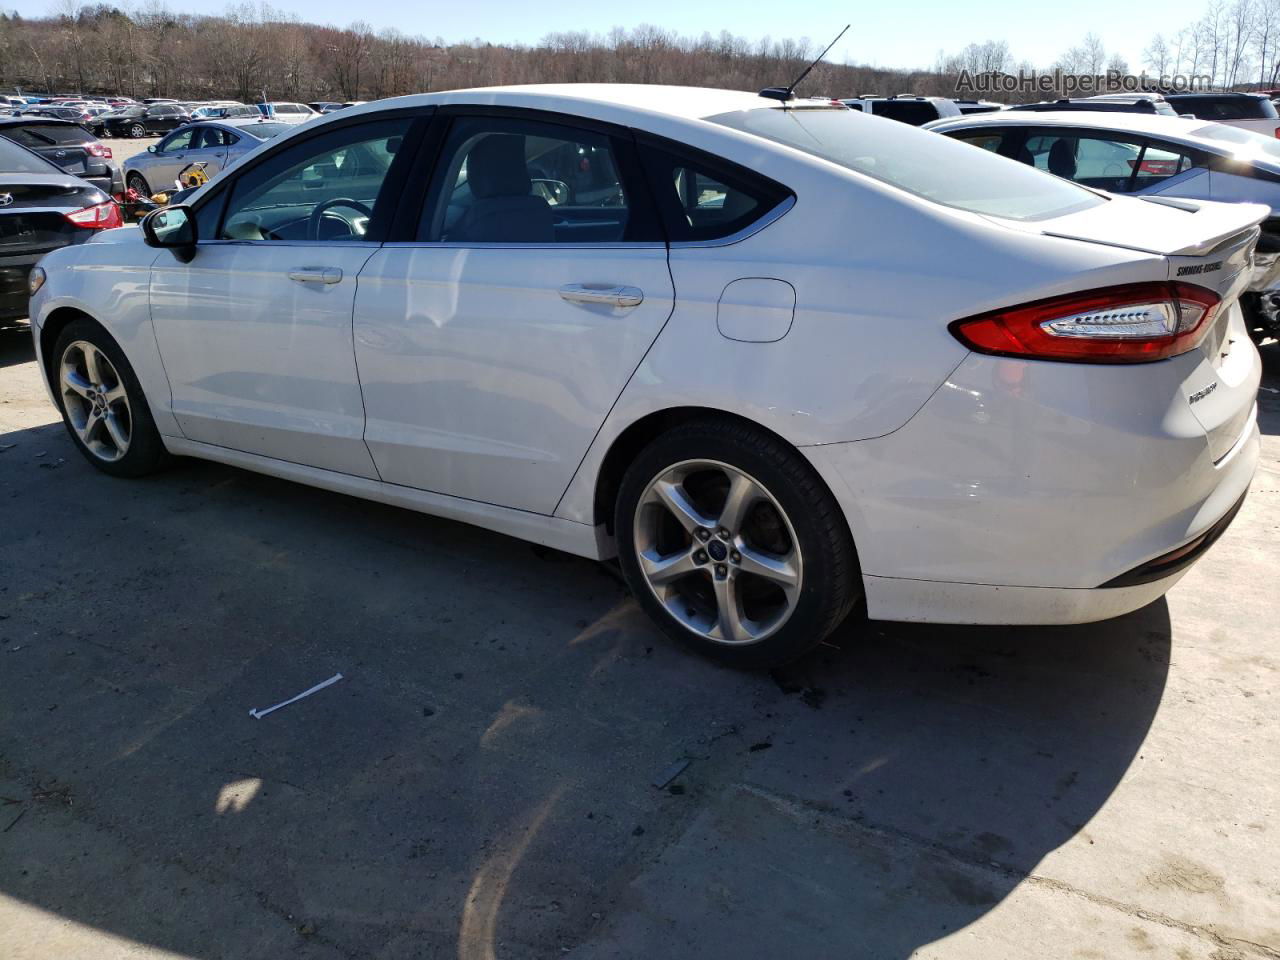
column 777, row 357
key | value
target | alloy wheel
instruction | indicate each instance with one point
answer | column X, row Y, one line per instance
column 718, row 551
column 137, row 131
column 96, row 402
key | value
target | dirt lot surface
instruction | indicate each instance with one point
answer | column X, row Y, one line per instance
column 488, row 779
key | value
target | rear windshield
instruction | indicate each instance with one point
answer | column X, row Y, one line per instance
column 926, row 164
column 49, row 134
column 1226, row 108
column 1244, row 144
column 13, row 159
column 914, row 112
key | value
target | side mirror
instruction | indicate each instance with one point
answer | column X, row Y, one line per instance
column 151, row 149
column 171, row 228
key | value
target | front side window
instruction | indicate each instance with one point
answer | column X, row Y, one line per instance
column 503, row 180
column 918, row 161
column 322, row 189
column 179, row 141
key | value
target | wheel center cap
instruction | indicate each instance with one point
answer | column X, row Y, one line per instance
column 717, row 550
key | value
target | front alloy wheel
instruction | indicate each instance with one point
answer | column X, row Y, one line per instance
column 137, row 131
column 96, row 401
column 718, row 552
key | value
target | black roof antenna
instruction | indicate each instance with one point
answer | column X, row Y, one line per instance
column 788, row 93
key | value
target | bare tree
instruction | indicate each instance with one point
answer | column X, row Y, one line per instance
column 1157, row 55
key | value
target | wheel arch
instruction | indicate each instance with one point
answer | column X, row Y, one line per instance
column 57, row 321
column 626, row 446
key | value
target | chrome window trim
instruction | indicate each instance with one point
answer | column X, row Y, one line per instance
column 750, row 230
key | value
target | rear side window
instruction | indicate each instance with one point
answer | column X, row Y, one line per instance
column 703, row 198
column 920, row 162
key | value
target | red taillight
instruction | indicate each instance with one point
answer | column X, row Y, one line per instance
column 1131, row 323
column 1278, row 132
column 101, row 216
column 99, row 150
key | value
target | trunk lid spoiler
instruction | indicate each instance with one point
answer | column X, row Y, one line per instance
column 1160, row 225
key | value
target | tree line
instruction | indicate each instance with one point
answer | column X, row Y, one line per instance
column 251, row 51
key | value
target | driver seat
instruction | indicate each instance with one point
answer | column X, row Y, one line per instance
column 502, row 209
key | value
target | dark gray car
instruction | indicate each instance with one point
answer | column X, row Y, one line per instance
column 216, row 144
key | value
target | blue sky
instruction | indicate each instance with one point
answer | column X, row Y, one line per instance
column 904, row 35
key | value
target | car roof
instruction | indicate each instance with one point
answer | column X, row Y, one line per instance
column 30, row 118
column 1217, row 96
column 614, row 102
column 1145, row 124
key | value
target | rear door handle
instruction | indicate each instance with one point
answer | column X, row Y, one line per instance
column 316, row 274
column 613, row 296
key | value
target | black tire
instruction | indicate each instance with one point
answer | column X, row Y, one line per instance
column 137, row 131
column 136, row 181
column 145, row 453
column 831, row 584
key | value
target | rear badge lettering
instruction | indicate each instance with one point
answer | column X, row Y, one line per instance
column 1201, row 394
column 1199, row 268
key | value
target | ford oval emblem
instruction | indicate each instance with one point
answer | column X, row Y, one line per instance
column 6, row 199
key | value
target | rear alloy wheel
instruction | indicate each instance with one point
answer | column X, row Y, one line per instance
column 138, row 184
column 137, row 131
column 102, row 403
column 739, row 552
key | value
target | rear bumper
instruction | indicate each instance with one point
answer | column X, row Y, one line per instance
column 1028, row 492
column 14, row 272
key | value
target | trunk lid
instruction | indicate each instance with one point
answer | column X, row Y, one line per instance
column 1209, row 245
column 34, row 220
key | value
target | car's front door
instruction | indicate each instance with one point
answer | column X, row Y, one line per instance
column 209, row 147
column 255, row 332
column 492, row 345
column 169, row 157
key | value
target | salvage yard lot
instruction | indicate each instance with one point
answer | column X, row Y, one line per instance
column 481, row 783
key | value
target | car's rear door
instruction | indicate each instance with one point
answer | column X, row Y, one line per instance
column 255, row 331
column 495, row 334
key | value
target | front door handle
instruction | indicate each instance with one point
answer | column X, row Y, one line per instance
column 613, row 296
column 315, row 274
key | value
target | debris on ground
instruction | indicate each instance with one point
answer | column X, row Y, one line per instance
column 669, row 774
column 757, row 747
column 259, row 714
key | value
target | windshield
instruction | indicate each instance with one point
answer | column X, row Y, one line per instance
column 934, row 167
column 1244, row 144
column 14, row 159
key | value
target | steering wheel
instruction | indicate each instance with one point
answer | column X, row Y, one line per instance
column 313, row 222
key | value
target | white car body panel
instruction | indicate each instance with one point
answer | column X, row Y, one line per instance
column 260, row 362
column 978, row 489
column 480, row 381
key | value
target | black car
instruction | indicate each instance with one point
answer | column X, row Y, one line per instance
column 41, row 209
column 144, row 121
column 68, row 145
column 1106, row 103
